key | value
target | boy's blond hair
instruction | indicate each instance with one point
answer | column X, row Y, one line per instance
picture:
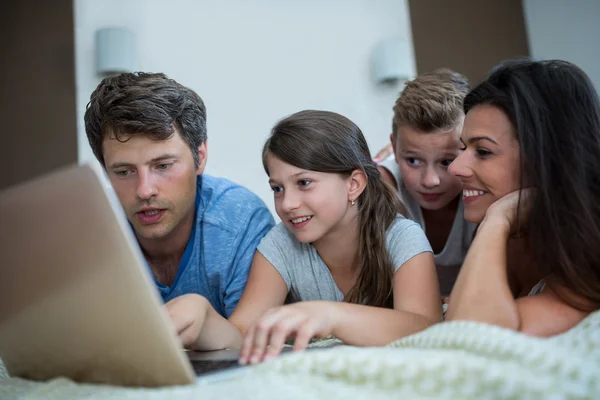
column 432, row 101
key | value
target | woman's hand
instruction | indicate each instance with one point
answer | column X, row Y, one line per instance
column 188, row 313
column 504, row 210
column 304, row 320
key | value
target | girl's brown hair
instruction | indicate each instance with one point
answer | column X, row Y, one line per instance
column 328, row 142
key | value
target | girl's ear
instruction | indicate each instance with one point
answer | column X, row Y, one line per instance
column 358, row 183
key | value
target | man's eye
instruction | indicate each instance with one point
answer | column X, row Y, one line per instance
column 163, row 166
column 123, row 172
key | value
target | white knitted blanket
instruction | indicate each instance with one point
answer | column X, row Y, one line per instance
column 452, row 360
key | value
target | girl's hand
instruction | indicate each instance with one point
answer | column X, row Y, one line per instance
column 188, row 313
column 304, row 320
column 505, row 209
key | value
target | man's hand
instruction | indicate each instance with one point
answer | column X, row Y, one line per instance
column 188, row 313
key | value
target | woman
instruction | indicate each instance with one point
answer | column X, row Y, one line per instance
column 531, row 178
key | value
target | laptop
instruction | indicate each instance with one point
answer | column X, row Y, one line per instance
column 76, row 297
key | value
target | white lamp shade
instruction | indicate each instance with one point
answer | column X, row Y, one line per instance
column 391, row 61
column 115, row 51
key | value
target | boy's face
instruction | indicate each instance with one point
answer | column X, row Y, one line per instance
column 423, row 158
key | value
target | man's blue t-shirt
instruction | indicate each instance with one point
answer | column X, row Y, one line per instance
column 230, row 222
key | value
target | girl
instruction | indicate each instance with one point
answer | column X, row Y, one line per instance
column 352, row 265
column 530, row 179
column 428, row 119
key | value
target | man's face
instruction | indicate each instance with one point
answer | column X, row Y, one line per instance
column 155, row 181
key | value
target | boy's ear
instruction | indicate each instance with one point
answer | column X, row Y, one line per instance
column 358, row 183
column 393, row 142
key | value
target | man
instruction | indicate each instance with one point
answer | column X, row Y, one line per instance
column 198, row 233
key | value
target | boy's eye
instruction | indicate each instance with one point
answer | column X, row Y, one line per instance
column 413, row 161
column 304, row 182
column 276, row 189
column 446, row 163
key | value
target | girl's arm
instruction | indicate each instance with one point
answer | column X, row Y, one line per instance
column 416, row 307
column 200, row 327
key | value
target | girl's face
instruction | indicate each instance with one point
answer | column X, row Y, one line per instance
column 423, row 159
column 489, row 166
column 311, row 204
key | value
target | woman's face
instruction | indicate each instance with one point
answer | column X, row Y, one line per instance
column 489, row 165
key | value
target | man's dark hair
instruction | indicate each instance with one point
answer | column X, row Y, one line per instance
column 144, row 103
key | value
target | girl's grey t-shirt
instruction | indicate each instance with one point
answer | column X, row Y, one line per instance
column 307, row 276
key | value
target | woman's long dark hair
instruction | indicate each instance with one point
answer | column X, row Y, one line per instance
column 555, row 111
column 328, row 142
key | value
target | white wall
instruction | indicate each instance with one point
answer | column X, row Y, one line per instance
column 567, row 30
column 254, row 62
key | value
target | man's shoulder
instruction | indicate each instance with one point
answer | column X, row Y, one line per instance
column 229, row 204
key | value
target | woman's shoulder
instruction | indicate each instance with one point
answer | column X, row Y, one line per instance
column 553, row 310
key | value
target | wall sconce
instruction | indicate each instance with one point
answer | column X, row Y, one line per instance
column 115, row 51
column 391, row 62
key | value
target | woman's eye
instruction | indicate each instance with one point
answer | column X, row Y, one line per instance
column 483, row 152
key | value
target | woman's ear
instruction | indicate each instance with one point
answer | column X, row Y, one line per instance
column 358, row 183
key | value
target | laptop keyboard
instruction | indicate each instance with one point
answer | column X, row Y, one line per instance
column 202, row 367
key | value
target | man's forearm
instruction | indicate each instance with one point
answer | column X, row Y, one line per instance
column 217, row 332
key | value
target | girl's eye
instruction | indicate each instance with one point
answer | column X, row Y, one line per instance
column 463, row 148
column 276, row 189
column 304, row 182
column 413, row 161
